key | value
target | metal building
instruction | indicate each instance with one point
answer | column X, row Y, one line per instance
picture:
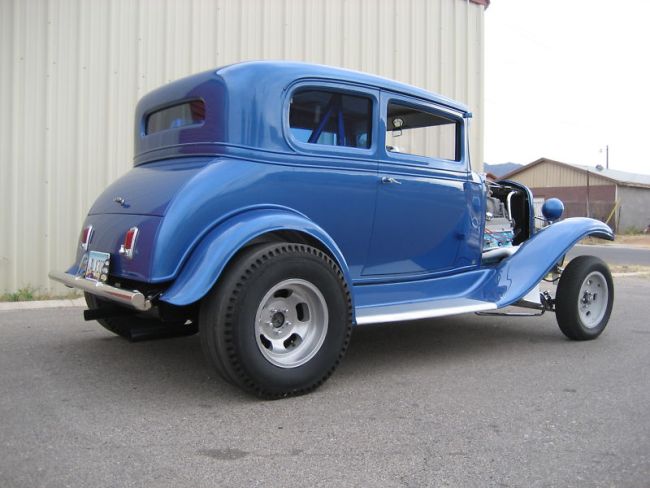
column 618, row 198
column 73, row 70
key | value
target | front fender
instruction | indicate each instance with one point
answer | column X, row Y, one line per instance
column 208, row 260
column 516, row 276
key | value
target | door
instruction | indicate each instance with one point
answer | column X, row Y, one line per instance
column 423, row 219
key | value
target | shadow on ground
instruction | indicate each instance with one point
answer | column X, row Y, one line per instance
column 176, row 366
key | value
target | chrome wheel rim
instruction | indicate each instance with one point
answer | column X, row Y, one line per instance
column 592, row 299
column 291, row 323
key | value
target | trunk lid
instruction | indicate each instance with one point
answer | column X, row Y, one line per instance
column 148, row 189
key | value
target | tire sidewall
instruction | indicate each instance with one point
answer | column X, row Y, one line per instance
column 246, row 354
column 568, row 303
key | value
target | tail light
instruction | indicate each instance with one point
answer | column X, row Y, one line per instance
column 126, row 249
column 84, row 238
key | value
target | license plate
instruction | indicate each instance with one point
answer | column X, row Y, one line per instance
column 98, row 265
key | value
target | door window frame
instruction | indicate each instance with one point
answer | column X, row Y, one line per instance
column 417, row 160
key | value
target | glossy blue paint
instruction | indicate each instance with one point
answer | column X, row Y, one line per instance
column 260, row 165
column 200, row 192
column 215, row 250
column 430, row 208
column 148, row 189
column 457, row 285
column 502, row 284
column 242, row 106
column 517, row 275
column 109, row 231
column 552, row 209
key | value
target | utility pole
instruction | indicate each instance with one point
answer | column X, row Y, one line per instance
column 588, row 202
column 606, row 155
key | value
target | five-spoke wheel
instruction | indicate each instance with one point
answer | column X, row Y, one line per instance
column 291, row 323
column 279, row 320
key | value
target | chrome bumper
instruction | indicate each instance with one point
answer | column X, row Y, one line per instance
column 133, row 299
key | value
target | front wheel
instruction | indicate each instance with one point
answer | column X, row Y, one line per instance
column 279, row 320
column 584, row 299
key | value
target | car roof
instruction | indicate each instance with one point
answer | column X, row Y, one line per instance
column 263, row 71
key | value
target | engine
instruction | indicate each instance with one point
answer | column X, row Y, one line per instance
column 507, row 215
column 498, row 225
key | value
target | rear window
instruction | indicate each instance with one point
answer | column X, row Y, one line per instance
column 187, row 113
column 331, row 118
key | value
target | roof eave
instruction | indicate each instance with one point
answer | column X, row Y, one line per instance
column 577, row 168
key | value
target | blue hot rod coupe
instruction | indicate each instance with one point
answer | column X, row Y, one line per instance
column 274, row 205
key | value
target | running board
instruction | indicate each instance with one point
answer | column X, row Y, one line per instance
column 420, row 310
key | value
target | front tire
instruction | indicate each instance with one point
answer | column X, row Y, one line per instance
column 279, row 320
column 584, row 299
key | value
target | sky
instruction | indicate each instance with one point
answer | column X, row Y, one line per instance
column 565, row 78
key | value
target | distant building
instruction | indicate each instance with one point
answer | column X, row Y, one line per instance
column 619, row 198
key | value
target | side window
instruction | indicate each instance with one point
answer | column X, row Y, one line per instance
column 331, row 118
column 414, row 131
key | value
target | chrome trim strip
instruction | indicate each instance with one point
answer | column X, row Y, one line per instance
column 509, row 204
column 420, row 310
column 133, row 299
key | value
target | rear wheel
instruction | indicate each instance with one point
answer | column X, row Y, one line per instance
column 584, row 299
column 279, row 320
column 136, row 328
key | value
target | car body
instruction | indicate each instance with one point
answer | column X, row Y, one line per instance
column 264, row 153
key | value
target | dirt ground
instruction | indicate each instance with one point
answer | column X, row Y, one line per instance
column 641, row 240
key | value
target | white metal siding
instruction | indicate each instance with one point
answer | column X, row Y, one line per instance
column 72, row 71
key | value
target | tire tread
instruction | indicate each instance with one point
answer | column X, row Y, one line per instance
column 224, row 301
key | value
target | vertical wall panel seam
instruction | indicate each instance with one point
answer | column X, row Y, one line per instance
column 18, row 159
column 76, row 180
column 46, row 204
column 13, row 155
column 467, row 55
column 240, row 37
column 440, row 45
column 109, row 115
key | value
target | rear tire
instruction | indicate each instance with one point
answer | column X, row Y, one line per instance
column 584, row 299
column 279, row 320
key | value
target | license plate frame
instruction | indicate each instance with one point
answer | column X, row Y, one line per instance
column 97, row 266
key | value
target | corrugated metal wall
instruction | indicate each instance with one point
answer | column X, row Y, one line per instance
column 633, row 213
column 71, row 72
column 549, row 174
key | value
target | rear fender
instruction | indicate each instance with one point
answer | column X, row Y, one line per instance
column 208, row 260
column 515, row 276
